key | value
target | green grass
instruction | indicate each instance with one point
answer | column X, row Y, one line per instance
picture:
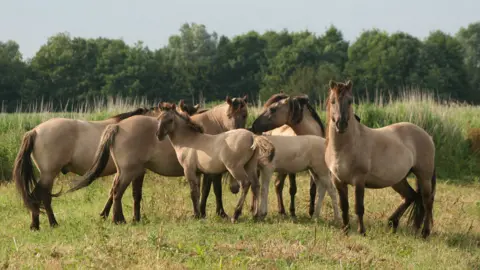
column 168, row 238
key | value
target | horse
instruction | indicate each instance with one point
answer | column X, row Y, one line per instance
column 237, row 151
column 61, row 145
column 377, row 158
column 294, row 154
column 289, row 116
column 135, row 148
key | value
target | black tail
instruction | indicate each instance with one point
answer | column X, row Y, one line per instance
column 101, row 158
column 417, row 211
column 23, row 173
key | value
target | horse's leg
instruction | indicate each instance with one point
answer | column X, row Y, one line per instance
column 265, row 175
column 137, row 185
column 359, row 205
column 194, row 181
column 408, row 195
column 217, row 189
column 44, row 191
column 206, row 185
column 241, row 175
column 108, row 205
column 293, row 191
column 321, row 190
column 121, row 182
column 426, row 187
column 313, row 190
column 279, row 183
column 342, row 190
column 328, row 185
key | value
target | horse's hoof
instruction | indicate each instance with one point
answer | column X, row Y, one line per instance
column 346, row 229
column 34, row 228
column 119, row 220
column 425, row 233
column 103, row 215
column 233, row 220
column 54, row 224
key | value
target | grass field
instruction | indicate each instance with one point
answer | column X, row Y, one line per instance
column 169, row 238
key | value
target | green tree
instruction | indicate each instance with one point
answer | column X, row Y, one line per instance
column 469, row 38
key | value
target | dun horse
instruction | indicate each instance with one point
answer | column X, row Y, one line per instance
column 289, row 116
column 61, row 145
column 135, row 148
column 378, row 158
column 237, row 151
column 295, row 154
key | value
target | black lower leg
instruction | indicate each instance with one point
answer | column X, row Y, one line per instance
column 217, row 189
column 293, row 192
column 137, row 186
column 313, row 193
column 206, row 185
column 359, row 207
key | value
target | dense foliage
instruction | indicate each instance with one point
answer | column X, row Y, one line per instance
column 199, row 65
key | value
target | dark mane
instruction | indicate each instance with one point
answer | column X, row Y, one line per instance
column 327, row 110
column 315, row 116
column 275, row 98
column 192, row 125
column 202, row 111
column 125, row 115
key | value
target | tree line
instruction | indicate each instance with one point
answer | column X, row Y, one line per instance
column 200, row 65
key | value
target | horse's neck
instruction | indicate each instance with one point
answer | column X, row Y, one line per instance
column 210, row 121
column 308, row 126
column 184, row 137
column 345, row 142
column 107, row 121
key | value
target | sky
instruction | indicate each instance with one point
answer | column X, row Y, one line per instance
column 31, row 22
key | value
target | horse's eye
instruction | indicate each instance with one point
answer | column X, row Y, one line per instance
column 273, row 110
column 333, row 101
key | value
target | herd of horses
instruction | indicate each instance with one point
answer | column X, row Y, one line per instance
column 288, row 137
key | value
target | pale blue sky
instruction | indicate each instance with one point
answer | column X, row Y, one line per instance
column 31, row 22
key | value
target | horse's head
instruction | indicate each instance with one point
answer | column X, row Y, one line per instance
column 237, row 113
column 188, row 109
column 280, row 109
column 339, row 105
column 166, row 119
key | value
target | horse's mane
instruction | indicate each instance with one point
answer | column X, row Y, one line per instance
column 192, row 125
column 327, row 110
column 275, row 98
column 139, row 111
column 202, row 111
column 316, row 117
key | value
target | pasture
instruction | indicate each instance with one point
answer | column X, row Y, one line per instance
column 168, row 237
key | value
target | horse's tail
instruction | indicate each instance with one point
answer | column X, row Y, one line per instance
column 101, row 158
column 417, row 213
column 23, row 173
column 264, row 149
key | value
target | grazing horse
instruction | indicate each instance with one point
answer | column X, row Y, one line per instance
column 377, row 158
column 135, row 148
column 61, row 145
column 295, row 154
column 237, row 151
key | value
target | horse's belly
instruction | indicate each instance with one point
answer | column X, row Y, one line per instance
column 291, row 166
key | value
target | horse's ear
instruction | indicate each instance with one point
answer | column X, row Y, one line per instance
column 181, row 103
column 245, row 98
column 332, row 84
column 228, row 100
column 349, row 85
column 281, row 91
column 196, row 107
column 174, row 106
column 160, row 105
column 357, row 117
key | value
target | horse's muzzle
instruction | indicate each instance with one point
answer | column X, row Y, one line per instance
column 341, row 126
